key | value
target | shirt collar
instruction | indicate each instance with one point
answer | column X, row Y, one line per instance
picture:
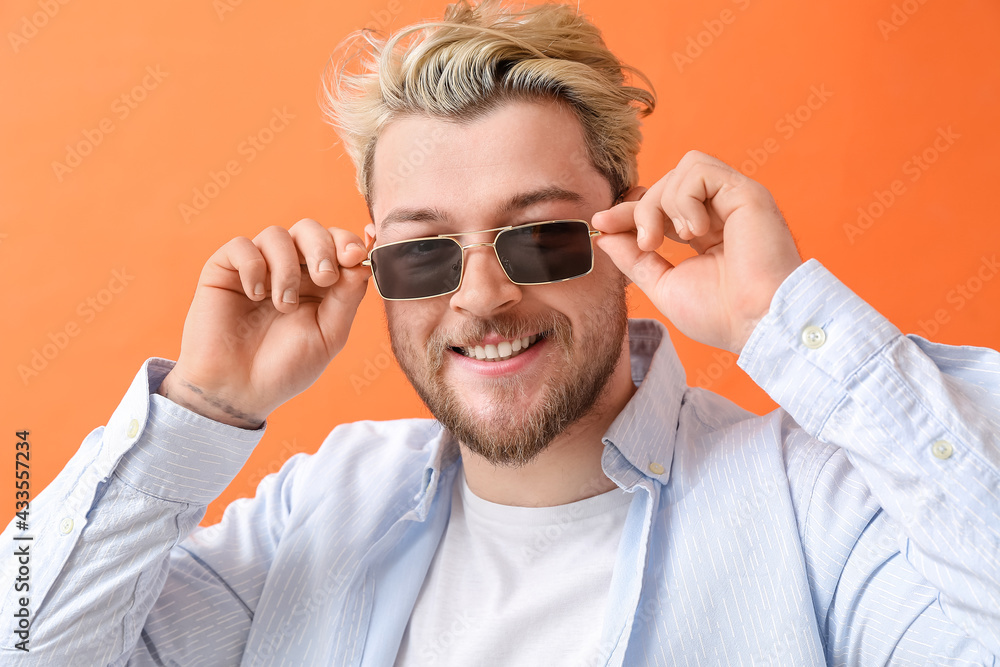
column 640, row 441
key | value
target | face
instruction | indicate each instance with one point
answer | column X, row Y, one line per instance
column 523, row 162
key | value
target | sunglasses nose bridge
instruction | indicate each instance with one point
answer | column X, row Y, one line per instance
column 491, row 244
column 484, row 244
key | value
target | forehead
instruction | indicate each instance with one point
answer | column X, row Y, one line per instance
column 473, row 168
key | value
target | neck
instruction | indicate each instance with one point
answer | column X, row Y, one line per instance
column 569, row 469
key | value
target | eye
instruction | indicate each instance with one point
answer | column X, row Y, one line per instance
column 427, row 252
column 425, row 246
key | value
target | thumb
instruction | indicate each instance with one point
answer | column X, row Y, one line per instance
column 647, row 269
column 336, row 313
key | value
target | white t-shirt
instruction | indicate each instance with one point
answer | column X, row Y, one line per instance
column 516, row 585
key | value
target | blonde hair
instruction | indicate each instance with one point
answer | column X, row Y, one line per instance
column 476, row 59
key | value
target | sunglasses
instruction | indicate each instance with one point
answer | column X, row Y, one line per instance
column 537, row 253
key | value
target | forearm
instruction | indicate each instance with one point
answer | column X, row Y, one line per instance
column 915, row 420
column 103, row 530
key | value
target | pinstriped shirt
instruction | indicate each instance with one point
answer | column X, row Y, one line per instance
column 859, row 524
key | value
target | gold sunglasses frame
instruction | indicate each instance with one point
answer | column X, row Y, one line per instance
column 499, row 230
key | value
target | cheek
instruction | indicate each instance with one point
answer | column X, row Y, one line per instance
column 412, row 321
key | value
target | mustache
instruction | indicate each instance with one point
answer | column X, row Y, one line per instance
column 556, row 327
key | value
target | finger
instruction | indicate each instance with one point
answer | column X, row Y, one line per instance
column 621, row 218
column 651, row 222
column 349, row 247
column 243, row 257
column 283, row 263
column 617, row 219
column 695, row 191
column 707, row 183
column 654, row 219
column 645, row 268
column 315, row 245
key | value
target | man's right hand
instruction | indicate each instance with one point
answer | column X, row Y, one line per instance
column 267, row 317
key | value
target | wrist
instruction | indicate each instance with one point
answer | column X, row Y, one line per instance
column 211, row 406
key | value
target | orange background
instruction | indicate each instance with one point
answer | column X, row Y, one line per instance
column 727, row 73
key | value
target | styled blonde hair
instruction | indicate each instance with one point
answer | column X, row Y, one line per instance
column 476, row 59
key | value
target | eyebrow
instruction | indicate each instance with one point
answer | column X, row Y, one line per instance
column 517, row 202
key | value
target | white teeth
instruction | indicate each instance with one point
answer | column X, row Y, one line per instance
column 503, row 350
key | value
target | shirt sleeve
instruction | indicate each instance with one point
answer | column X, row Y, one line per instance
column 917, row 423
column 100, row 535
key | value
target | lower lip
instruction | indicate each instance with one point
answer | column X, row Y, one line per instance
column 497, row 368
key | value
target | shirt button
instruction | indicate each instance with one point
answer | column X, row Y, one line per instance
column 656, row 468
column 133, row 428
column 813, row 337
column 66, row 526
column 942, row 449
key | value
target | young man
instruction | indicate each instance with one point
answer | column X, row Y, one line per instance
column 580, row 505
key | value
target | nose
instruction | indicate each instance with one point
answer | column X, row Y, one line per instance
column 486, row 290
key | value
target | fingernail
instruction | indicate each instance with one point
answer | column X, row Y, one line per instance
column 355, row 245
column 325, row 266
column 288, row 296
column 258, row 289
column 687, row 223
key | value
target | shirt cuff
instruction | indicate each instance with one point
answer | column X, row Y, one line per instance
column 168, row 451
column 815, row 337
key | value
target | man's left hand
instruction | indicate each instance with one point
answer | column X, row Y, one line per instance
column 744, row 248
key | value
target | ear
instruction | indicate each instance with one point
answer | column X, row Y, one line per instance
column 635, row 194
column 369, row 234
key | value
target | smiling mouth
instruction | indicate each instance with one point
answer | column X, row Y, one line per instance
column 502, row 351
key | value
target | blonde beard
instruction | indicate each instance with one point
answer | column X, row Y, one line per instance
column 513, row 438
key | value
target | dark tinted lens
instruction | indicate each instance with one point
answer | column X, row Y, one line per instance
column 416, row 269
column 545, row 253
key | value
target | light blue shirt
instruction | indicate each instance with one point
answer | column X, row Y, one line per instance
column 858, row 525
